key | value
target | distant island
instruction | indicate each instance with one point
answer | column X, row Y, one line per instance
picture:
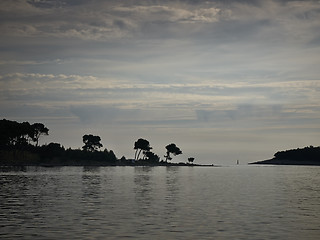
column 300, row 156
column 19, row 146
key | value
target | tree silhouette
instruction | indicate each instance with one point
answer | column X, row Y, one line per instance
column 190, row 159
column 23, row 133
column 91, row 143
column 141, row 145
column 38, row 129
column 152, row 157
column 172, row 148
column 20, row 134
column 310, row 153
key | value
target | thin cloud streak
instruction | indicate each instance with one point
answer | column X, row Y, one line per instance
column 205, row 99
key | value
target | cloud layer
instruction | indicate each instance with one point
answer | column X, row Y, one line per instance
column 205, row 73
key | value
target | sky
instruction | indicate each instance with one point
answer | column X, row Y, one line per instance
column 223, row 80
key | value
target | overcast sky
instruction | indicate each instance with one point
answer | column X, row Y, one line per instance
column 224, row 80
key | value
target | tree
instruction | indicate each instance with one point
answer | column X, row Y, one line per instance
column 38, row 129
column 9, row 133
column 110, row 156
column 152, row 157
column 91, row 143
column 190, row 159
column 52, row 150
column 172, row 148
column 20, row 134
column 141, row 145
column 14, row 134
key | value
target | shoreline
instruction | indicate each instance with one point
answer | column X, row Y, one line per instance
column 107, row 165
column 93, row 163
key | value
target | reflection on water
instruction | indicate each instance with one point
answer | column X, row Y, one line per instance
column 143, row 186
column 171, row 196
column 160, row 202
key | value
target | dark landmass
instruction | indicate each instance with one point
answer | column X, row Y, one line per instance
column 19, row 146
column 300, row 156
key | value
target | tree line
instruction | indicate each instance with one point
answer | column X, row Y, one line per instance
column 307, row 153
column 20, row 134
column 19, row 142
column 143, row 145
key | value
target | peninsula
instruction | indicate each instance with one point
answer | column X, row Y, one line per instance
column 300, row 156
column 19, row 146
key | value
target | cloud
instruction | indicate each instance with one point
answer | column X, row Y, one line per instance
column 161, row 40
column 30, row 62
column 201, row 91
column 55, row 3
column 40, row 81
column 214, row 103
column 100, row 20
column 164, row 68
column 101, row 114
column 263, row 117
column 171, row 13
column 61, row 19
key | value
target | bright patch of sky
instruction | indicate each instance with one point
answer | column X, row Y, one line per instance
column 223, row 80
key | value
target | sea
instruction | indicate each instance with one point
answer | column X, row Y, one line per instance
column 176, row 202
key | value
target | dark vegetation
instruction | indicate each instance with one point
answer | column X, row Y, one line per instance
column 172, row 148
column 300, row 156
column 19, row 146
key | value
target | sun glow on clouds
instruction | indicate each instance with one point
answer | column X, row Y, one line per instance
column 218, row 78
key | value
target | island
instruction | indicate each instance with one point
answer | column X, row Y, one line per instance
column 19, row 146
column 300, row 156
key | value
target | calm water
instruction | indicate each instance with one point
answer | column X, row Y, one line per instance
column 240, row 202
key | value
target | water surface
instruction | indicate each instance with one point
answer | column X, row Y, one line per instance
column 238, row 202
